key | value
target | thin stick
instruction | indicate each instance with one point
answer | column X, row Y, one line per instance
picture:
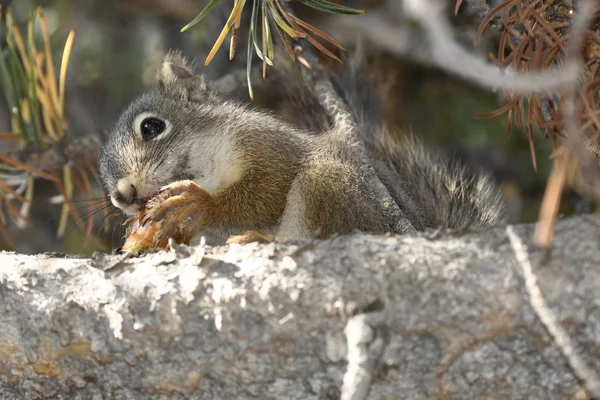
column 547, row 317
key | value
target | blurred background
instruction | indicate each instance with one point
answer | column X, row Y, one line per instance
column 120, row 43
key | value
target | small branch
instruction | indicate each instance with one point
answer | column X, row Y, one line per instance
column 450, row 55
column 562, row 339
column 442, row 49
column 390, row 36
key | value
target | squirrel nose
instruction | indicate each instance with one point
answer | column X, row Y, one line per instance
column 126, row 193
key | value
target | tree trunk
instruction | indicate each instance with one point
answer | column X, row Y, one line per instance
column 404, row 317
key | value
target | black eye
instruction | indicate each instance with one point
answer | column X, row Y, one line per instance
column 151, row 128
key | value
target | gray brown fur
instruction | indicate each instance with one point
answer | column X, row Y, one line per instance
column 432, row 189
column 268, row 175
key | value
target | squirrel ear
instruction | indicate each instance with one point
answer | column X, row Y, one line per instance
column 174, row 67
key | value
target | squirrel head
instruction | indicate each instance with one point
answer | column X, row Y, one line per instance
column 173, row 131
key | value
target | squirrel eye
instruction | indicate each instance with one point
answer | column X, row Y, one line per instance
column 151, row 128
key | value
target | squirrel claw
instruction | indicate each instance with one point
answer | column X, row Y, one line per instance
column 180, row 217
column 250, row 237
column 182, row 187
column 185, row 197
column 180, row 208
column 158, row 208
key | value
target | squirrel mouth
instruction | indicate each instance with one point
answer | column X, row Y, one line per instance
column 141, row 203
column 131, row 208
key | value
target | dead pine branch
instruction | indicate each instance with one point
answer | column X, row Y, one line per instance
column 39, row 144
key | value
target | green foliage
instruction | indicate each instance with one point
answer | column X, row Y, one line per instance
column 36, row 100
column 265, row 15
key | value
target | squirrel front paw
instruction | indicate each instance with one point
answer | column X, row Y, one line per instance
column 181, row 207
column 250, row 237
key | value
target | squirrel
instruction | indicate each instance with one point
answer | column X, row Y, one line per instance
column 225, row 169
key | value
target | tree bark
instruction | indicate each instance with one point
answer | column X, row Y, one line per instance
column 443, row 316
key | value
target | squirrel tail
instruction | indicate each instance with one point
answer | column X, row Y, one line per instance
column 438, row 190
column 432, row 188
column 302, row 104
column 358, row 92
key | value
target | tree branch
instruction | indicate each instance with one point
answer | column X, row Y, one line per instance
column 431, row 317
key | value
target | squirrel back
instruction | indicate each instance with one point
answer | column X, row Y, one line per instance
column 432, row 189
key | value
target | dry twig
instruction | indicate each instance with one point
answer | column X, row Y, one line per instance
column 547, row 317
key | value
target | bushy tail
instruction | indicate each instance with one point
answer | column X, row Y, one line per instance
column 299, row 103
column 443, row 191
column 432, row 189
column 359, row 93
column 350, row 84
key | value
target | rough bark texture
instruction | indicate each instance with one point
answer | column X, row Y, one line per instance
column 430, row 316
